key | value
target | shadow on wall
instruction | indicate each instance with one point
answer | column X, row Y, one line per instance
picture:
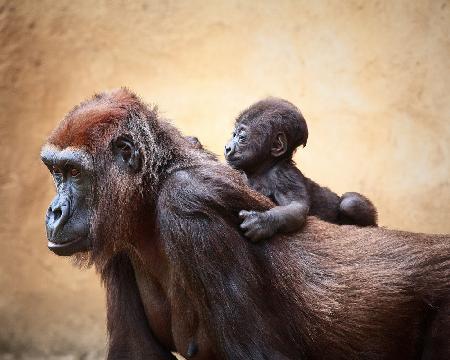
column 371, row 79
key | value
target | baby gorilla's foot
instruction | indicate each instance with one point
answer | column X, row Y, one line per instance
column 355, row 208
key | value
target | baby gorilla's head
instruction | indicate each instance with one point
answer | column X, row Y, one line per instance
column 267, row 131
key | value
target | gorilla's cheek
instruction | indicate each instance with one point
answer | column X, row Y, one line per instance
column 80, row 224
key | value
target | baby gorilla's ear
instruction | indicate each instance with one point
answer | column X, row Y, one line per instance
column 279, row 145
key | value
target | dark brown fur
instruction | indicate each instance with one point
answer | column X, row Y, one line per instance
column 180, row 276
column 264, row 139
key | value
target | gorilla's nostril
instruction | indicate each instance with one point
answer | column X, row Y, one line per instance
column 57, row 214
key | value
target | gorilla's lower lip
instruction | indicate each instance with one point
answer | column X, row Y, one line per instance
column 67, row 248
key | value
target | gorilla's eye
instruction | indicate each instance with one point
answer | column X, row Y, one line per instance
column 123, row 146
column 74, row 172
column 242, row 138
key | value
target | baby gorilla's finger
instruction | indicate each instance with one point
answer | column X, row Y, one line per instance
column 244, row 213
column 248, row 223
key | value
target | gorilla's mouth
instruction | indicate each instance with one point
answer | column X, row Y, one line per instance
column 69, row 247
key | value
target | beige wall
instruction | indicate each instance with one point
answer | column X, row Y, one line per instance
column 371, row 77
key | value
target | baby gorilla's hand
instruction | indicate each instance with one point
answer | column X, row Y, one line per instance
column 257, row 225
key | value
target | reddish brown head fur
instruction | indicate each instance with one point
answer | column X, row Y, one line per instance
column 92, row 120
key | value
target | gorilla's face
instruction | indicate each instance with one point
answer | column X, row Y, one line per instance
column 247, row 148
column 68, row 217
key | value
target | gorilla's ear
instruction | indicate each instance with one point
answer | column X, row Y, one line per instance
column 127, row 153
column 279, row 145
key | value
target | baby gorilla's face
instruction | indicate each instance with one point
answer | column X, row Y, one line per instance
column 246, row 151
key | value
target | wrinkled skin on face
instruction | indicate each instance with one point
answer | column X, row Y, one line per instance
column 70, row 214
column 68, row 217
column 247, row 148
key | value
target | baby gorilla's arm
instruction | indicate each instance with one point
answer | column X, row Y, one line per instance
column 288, row 217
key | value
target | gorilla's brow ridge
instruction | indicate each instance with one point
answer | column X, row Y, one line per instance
column 52, row 154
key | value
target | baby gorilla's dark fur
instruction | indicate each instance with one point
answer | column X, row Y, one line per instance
column 264, row 140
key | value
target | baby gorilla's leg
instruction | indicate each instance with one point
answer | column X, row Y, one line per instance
column 356, row 209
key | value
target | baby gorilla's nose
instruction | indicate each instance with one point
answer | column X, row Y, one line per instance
column 228, row 149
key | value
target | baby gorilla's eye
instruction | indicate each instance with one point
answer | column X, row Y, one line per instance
column 74, row 172
column 56, row 170
column 242, row 138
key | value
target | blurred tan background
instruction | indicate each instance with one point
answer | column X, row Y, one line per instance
column 371, row 77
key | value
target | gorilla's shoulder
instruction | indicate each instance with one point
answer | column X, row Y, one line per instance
column 211, row 188
column 191, row 190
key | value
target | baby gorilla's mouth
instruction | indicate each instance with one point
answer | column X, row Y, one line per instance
column 69, row 247
column 232, row 158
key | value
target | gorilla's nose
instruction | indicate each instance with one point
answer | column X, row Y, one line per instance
column 57, row 216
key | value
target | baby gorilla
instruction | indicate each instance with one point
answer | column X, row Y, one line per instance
column 264, row 140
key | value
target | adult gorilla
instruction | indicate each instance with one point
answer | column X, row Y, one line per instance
column 158, row 217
